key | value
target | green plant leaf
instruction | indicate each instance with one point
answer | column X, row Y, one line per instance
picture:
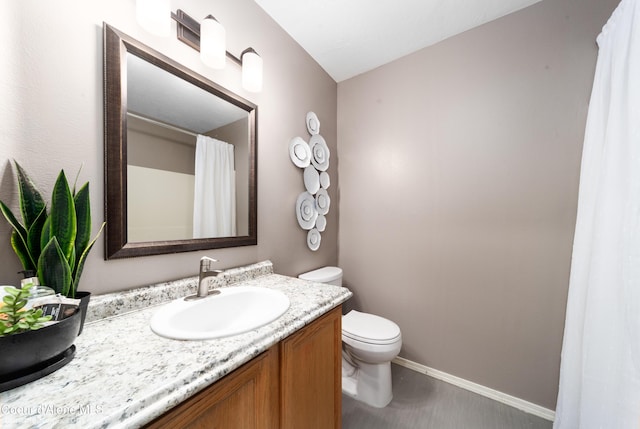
column 13, row 291
column 31, row 201
column 19, row 238
column 20, row 248
column 34, row 235
column 81, row 261
column 63, row 216
column 8, row 214
column 53, row 268
column 72, row 261
column 20, row 303
column 83, row 218
column 75, row 182
column 44, row 235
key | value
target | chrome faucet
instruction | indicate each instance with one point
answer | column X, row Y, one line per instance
column 206, row 271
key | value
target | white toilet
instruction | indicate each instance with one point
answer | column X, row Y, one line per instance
column 369, row 343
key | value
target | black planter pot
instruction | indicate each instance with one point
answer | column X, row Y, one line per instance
column 84, row 298
column 33, row 354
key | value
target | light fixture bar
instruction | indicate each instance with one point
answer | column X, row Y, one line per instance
column 189, row 32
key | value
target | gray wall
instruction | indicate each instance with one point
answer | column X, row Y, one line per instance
column 238, row 131
column 459, row 169
column 51, row 118
column 153, row 146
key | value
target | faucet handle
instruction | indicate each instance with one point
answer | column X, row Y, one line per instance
column 205, row 263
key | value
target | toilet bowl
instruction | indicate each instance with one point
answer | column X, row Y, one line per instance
column 369, row 343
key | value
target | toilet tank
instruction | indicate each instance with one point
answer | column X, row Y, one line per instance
column 330, row 275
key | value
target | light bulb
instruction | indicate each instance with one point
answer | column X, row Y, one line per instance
column 251, row 70
column 213, row 49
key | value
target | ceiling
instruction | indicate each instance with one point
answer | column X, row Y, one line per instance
column 350, row 37
column 150, row 90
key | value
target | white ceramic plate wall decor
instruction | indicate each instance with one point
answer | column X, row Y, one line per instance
column 321, row 223
column 311, row 180
column 313, row 239
column 313, row 123
column 306, row 211
column 319, row 152
column 300, row 152
column 324, row 180
column 313, row 158
column 323, row 202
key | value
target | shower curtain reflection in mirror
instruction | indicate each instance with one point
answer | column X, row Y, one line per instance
column 161, row 182
column 214, row 202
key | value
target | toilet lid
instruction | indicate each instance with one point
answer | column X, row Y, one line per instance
column 322, row 275
column 369, row 328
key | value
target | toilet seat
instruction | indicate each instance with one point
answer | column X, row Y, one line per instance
column 369, row 328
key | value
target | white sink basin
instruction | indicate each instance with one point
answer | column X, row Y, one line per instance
column 234, row 310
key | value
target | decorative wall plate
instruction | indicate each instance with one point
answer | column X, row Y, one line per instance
column 319, row 152
column 299, row 152
column 313, row 123
column 306, row 211
column 321, row 223
column 323, row 202
column 311, row 179
column 324, row 180
column 313, row 239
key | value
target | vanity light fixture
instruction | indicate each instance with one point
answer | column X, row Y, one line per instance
column 154, row 16
column 251, row 70
column 213, row 45
column 209, row 39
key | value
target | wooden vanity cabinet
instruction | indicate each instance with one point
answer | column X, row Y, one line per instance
column 247, row 398
column 311, row 375
column 295, row 384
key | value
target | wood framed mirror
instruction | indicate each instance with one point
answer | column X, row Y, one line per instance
column 158, row 115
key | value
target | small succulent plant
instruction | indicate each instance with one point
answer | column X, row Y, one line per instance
column 14, row 319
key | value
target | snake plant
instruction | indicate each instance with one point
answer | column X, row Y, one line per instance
column 54, row 243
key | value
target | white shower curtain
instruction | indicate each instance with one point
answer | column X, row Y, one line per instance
column 600, row 369
column 214, row 202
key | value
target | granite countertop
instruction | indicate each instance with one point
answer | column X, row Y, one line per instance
column 123, row 375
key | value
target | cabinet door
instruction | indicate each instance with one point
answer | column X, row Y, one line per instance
column 247, row 398
column 310, row 375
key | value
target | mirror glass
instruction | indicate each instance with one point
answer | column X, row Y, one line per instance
column 179, row 156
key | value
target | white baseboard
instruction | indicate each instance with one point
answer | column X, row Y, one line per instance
column 512, row 401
